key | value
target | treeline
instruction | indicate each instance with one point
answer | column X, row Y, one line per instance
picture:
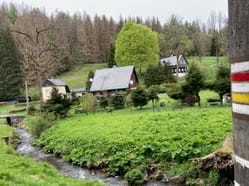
column 49, row 45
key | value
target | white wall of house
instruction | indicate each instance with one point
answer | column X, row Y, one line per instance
column 46, row 92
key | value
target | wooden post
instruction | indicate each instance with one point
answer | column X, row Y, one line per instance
column 27, row 95
column 239, row 59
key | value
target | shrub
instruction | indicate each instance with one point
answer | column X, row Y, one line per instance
column 57, row 104
column 134, row 177
column 173, row 90
column 103, row 102
column 162, row 103
column 89, row 103
column 117, row 101
column 32, row 110
column 41, row 124
column 139, row 97
column 214, row 177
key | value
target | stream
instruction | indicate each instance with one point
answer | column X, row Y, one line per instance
column 73, row 171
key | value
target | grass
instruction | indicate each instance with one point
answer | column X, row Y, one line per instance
column 209, row 65
column 77, row 77
column 124, row 140
column 21, row 170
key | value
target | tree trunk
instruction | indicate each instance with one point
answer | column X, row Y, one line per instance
column 239, row 57
column 198, row 99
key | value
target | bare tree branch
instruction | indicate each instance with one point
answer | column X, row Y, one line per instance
column 24, row 34
column 38, row 32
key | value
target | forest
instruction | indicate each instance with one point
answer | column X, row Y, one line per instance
column 45, row 46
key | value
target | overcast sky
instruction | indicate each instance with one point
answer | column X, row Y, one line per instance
column 188, row 10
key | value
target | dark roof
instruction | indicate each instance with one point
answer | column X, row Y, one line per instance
column 172, row 60
column 55, row 82
column 78, row 90
column 112, row 78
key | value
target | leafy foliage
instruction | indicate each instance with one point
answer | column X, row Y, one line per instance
column 133, row 141
column 173, row 90
column 134, row 177
column 136, row 45
column 156, row 75
column 39, row 125
column 22, row 170
column 89, row 103
column 103, row 102
column 152, row 94
column 222, row 82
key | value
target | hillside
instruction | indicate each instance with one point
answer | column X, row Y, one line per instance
column 77, row 77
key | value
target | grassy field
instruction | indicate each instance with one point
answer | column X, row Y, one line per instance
column 77, row 77
column 209, row 65
column 23, row 171
column 125, row 140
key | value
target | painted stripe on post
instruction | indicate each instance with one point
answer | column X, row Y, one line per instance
column 243, row 162
column 241, row 109
column 240, row 98
column 240, row 87
column 240, row 67
column 236, row 184
column 240, row 76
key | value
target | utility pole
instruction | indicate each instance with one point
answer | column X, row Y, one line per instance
column 239, row 59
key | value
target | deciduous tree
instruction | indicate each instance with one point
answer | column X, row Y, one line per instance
column 136, row 45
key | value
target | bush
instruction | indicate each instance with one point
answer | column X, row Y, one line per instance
column 40, row 125
column 103, row 102
column 57, row 104
column 162, row 103
column 174, row 90
column 117, row 101
column 32, row 110
column 134, row 177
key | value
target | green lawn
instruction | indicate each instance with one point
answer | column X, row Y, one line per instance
column 209, row 65
column 77, row 77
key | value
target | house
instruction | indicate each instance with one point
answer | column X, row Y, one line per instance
column 110, row 80
column 78, row 91
column 179, row 67
column 54, row 83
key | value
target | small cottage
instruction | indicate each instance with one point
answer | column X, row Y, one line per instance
column 179, row 66
column 54, row 83
column 78, row 92
column 110, row 80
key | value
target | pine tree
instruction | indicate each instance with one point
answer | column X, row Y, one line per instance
column 194, row 82
column 10, row 68
column 111, row 56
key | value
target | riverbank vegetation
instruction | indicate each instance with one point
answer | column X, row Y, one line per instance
column 22, row 170
column 126, row 141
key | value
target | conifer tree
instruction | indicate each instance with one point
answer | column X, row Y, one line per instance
column 10, row 68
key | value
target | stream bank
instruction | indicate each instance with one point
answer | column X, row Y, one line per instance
column 73, row 171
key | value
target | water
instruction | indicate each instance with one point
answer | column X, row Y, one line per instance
column 77, row 172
